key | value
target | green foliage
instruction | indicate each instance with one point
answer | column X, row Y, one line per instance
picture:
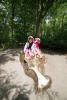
column 18, row 21
column 54, row 33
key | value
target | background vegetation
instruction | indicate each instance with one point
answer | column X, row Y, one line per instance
column 46, row 19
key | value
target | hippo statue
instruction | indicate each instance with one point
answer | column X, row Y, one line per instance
column 35, row 69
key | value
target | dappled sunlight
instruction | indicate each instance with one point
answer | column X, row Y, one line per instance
column 33, row 27
column 4, row 58
column 16, row 85
column 7, row 55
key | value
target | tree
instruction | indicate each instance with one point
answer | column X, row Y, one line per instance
column 42, row 7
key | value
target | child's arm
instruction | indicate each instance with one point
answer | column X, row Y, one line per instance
column 25, row 47
column 33, row 46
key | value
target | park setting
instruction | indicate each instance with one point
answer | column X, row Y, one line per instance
column 33, row 49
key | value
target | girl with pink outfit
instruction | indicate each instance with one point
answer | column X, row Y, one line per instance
column 31, row 48
column 35, row 47
column 28, row 48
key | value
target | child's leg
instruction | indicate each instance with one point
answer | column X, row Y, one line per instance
column 31, row 53
column 27, row 56
column 39, row 53
column 34, row 51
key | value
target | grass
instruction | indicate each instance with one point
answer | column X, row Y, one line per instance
column 2, row 49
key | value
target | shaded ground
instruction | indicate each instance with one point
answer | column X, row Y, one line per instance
column 15, row 85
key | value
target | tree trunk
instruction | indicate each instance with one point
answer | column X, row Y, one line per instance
column 12, row 17
column 39, row 12
column 62, row 23
column 41, row 6
column 37, row 28
column 37, row 19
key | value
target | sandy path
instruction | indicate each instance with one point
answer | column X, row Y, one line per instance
column 18, row 86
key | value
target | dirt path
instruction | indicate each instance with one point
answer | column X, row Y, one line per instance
column 15, row 85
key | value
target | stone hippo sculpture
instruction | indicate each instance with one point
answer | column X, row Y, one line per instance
column 35, row 69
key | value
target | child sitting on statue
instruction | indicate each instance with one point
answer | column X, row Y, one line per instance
column 35, row 47
column 28, row 47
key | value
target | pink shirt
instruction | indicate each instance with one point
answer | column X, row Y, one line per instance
column 36, row 44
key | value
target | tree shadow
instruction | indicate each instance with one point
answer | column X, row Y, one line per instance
column 6, row 87
column 53, row 52
column 5, row 58
column 53, row 95
column 22, row 97
column 14, row 52
column 8, row 55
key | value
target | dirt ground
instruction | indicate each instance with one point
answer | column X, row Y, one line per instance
column 15, row 85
